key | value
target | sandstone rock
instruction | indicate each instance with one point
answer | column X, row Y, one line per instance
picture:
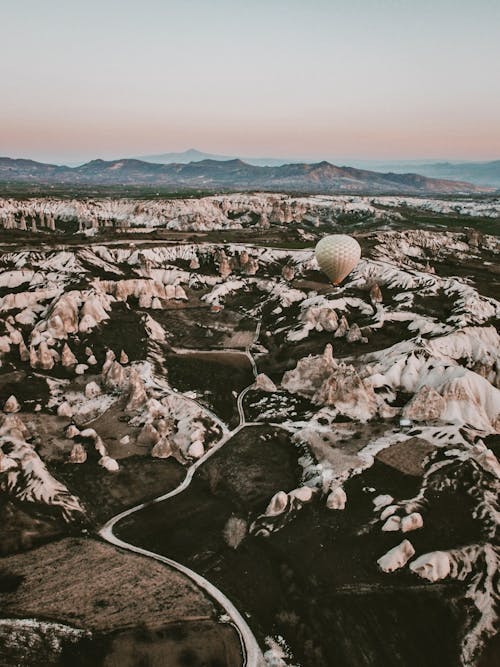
column 41, row 357
column 108, row 361
column 138, row 395
column 411, row 522
column 320, row 319
column 109, row 464
column 426, row 404
column 397, row 557
column 382, row 501
column 277, row 504
column 164, row 426
column 180, row 294
column 342, row 328
column 7, row 463
column 264, row 383
column 345, row 390
column 115, row 377
column 78, row 454
column 87, row 323
column 91, row 361
column 10, row 423
column 388, row 511
column 432, row 566
column 302, row 493
column 24, row 354
column 123, row 357
column 474, row 238
column 375, row 294
column 309, row 374
column 125, row 440
column 72, row 431
column 162, row 449
column 148, row 435
column 65, row 410
column 11, row 404
column 251, row 267
column 89, row 433
column 393, row 524
column 92, row 389
column 80, row 369
column 196, row 449
column 67, row 357
column 337, row 499
column 354, row 334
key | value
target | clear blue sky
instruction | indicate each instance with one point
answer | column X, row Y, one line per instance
column 370, row 79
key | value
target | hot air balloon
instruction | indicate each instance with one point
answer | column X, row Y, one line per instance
column 337, row 255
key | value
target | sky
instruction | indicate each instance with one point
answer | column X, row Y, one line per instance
column 346, row 79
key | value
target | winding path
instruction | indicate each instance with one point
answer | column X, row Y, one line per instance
column 251, row 653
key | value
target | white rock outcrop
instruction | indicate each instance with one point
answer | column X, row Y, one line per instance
column 397, row 557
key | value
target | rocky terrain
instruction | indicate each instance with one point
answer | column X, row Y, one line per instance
column 229, row 175
column 338, row 446
column 252, row 212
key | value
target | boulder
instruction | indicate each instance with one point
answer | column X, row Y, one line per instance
column 277, row 504
column 92, row 389
column 432, row 566
column 72, row 431
column 196, row 449
column 413, row 521
column 109, row 464
column 78, row 454
column 11, row 404
column 393, row 524
column 397, row 557
column 337, row 499
column 65, row 410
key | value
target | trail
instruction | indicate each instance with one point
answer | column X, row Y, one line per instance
column 251, row 653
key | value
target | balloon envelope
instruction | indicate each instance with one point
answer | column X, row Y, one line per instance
column 337, row 255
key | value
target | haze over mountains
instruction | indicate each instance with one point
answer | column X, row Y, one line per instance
column 228, row 175
column 480, row 173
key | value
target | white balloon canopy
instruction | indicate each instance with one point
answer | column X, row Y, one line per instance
column 337, row 255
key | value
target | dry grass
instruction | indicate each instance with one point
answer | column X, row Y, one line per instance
column 407, row 456
column 98, row 587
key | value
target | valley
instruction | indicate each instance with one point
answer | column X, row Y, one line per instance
column 210, row 452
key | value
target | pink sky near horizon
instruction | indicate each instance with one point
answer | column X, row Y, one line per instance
column 365, row 79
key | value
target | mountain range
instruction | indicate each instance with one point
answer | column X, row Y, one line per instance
column 478, row 173
column 229, row 175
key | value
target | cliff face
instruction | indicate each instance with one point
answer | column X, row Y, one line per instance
column 232, row 211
